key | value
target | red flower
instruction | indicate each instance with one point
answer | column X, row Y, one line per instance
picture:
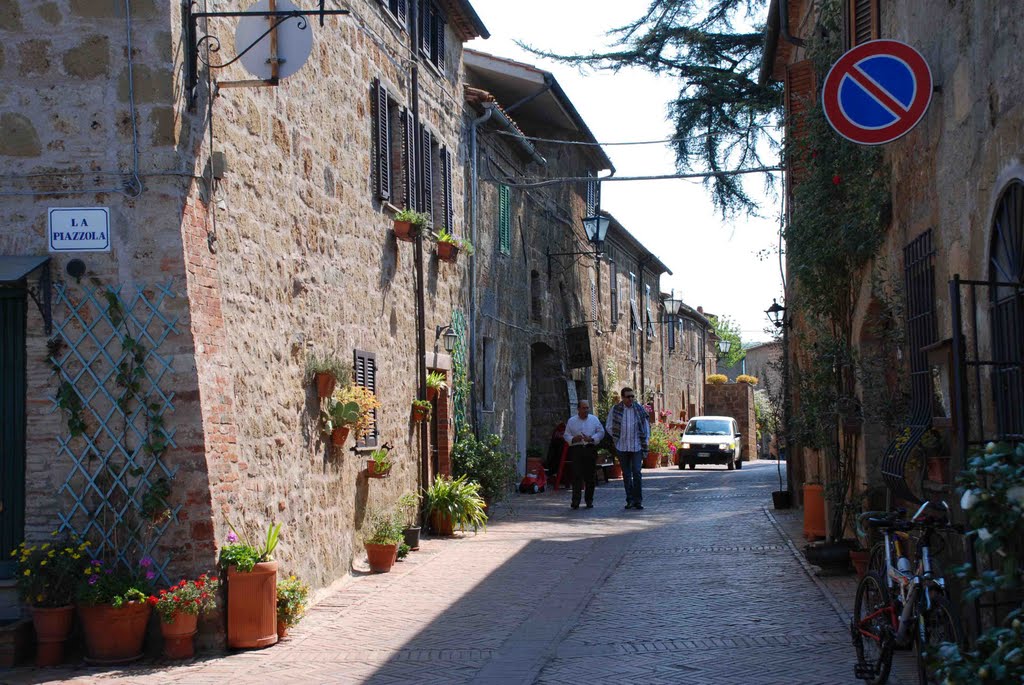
column 152, row 600
column 177, row 598
column 213, row 579
column 199, row 583
column 836, row 180
column 203, row 596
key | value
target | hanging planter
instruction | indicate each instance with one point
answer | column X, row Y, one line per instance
column 448, row 252
column 375, row 470
column 420, row 410
column 339, row 435
column 326, row 371
column 408, row 224
column 435, row 382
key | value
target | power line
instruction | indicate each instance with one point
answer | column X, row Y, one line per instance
column 662, row 141
column 660, row 177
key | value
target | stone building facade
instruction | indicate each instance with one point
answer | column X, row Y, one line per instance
column 246, row 234
column 956, row 180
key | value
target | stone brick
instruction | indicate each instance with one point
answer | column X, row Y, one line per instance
column 90, row 59
column 151, row 85
column 105, row 9
column 164, row 126
column 35, row 56
column 50, row 12
column 18, row 137
column 10, row 15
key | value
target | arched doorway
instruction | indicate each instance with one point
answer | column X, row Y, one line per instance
column 549, row 398
column 1006, row 270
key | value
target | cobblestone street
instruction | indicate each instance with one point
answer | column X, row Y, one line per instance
column 701, row 587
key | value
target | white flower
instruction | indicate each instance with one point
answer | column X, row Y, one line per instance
column 969, row 499
column 983, row 534
column 1016, row 495
column 990, row 448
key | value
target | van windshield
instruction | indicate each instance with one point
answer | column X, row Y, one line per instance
column 708, row 427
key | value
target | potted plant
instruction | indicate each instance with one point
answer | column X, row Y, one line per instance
column 350, row 409
column 409, row 504
column 421, row 410
column 717, row 379
column 114, row 604
column 454, row 502
column 448, row 247
column 47, row 575
column 338, row 418
column 435, row 383
column 292, row 600
column 482, row 461
column 744, row 378
column 383, row 536
column 657, row 446
column 408, row 224
column 326, row 371
column 252, row 589
column 179, row 607
column 379, row 464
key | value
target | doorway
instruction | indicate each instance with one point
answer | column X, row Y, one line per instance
column 12, row 422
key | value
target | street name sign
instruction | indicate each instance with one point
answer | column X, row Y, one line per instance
column 79, row 229
column 877, row 92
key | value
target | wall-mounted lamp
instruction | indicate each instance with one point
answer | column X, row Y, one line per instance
column 596, row 228
column 724, row 346
column 451, row 338
column 776, row 314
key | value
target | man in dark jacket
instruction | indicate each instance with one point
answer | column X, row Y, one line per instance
column 630, row 429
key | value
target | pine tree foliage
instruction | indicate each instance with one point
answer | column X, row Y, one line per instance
column 723, row 118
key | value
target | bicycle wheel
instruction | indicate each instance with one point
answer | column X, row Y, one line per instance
column 876, row 562
column 935, row 626
column 872, row 629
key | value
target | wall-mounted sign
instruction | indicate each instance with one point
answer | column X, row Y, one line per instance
column 79, row 229
column 877, row 92
column 577, row 342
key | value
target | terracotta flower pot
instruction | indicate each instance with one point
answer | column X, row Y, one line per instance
column 405, row 230
column 651, row 460
column 372, row 472
column 441, row 524
column 381, row 557
column 178, row 635
column 447, row 252
column 114, row 636
column 52, row 629
column 419, row 414
column 431, row 394
column 282, row 630
column 615, row 471
column 675, row 460
column 860, row 558
column 252, row 606
column 325, row 383
column 339, row 436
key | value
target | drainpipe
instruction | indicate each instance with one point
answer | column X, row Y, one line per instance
column 473, row 211
column 507, row 124
column 421, row 340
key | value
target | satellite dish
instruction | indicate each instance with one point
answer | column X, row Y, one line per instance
column 294, row 41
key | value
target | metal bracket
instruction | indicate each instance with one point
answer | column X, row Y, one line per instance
column 41, row 294
column 190, row 19
column 596, row 254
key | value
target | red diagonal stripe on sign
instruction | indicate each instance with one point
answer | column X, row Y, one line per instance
column 875, row 91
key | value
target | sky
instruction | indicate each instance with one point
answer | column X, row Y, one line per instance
column 715, row 264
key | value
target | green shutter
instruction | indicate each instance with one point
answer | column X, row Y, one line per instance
column 504, row 221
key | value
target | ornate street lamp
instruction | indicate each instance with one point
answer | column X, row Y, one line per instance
column 724, row 346
column 776, row 314
column 597, row 230
column 451, row 338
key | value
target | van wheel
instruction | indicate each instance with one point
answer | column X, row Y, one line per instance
column 732, row 465
column 693, row 465
column 739, row 463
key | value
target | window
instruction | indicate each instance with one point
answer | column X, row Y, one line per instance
column 535, row 299
column 409, row 161
column 447, row 196
column 365, row 371
column 634, row 318
column 861, row 21
column 489, row 359
column 432, row 30
column 384, row 110
column 426, row 140
column 593, row 300
column 1006, row 266
column 398, row 9
column 504, row 220
column 671, row 333
column 647, row 307
column 613, row 297
column 593, row 196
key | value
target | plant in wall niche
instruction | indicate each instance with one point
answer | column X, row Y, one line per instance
column 482, row 461
column 326, row 372
column 454, row 502
column 421, row 410
column 744, row 378
column 436, row 381
column 379, row 464
column 717, row 379
column 409, row 224
column 292, row 600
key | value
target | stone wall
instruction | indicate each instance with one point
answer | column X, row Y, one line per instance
column 735, row 400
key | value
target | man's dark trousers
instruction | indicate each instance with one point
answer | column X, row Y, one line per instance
column 584, row 464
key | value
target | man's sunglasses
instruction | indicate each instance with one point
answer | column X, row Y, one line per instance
column 628, row 397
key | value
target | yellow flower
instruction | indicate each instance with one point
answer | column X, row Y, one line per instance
column 88, row 571
column 43, row 562
column 67, row 550
column 52, row 552
column 39, row 598
column 82, row 547
column 27, row 572
column 45, row 545
column 14, row 552
column 53, row 534
column 76, row 556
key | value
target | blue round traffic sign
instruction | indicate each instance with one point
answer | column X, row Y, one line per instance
column 877, row 92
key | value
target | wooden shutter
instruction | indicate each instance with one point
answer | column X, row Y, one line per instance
column 365, row 371
column 862, row 21
column 613, row 280
column 402, row 11
column 449, row 196
column 409, row 160
column 426, row 160
column 800, row 92
column 504, row 221
column 382, row 140
column 426, row 34
column 439, row 41
column 593, row 300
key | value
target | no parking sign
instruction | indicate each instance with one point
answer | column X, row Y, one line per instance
column 877, row 92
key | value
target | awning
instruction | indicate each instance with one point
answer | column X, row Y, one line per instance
column 15, row 269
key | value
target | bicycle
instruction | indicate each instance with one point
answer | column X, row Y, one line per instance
column 907, row 602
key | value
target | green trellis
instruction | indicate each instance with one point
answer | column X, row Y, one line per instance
column 460, row 372
column 105, row 355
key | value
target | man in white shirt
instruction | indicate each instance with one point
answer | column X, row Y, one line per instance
column 583, row 432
